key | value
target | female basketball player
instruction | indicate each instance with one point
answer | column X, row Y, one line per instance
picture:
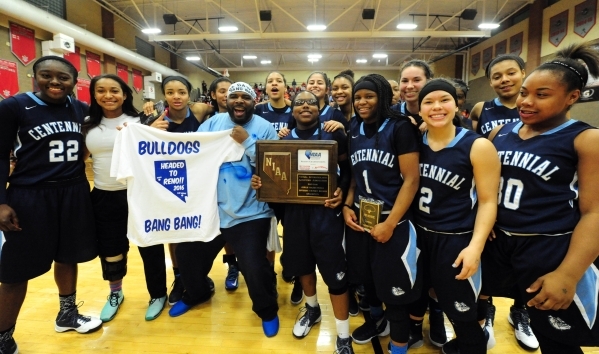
column 457, row 206
column 548, row 207
column 505, row 74
column 341, row 90
column 396, row 92
column 46, row 213
column 383, row 151
column 314, row 233
column 413, row 75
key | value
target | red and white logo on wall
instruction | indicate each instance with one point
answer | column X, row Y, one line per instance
column 123, row 72
column 9, row 78
column 93, row 64
column 22, row 43
column 137, row 80
column 74, row 58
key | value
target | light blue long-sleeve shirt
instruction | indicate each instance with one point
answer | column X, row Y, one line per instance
column 237, row 201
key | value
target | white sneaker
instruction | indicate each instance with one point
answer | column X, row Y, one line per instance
column 518, row 318
column 303, row 325
column 70, row 319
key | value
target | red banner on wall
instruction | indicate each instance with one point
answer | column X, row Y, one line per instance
column 93, row 64
column 501, row 48
column 22, row 43
column 123, row 72
column 487, row 57
column 138, row 81
column 74, row 58
column 516, row 43
column 9, row 78
column 585, row 16
column 83, row 90
column 558, row 28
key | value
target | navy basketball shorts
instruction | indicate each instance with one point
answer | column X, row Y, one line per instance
column 521, row 260
column 57, row 223
column 314, row 237
column 110, row 212
column 457, row 298
column 395, row 267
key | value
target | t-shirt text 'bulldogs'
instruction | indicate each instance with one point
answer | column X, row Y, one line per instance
column 168, row 148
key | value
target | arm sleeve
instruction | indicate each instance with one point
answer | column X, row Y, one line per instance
column 406, row 138
column 8, row 133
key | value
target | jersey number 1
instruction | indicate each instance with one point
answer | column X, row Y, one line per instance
column 58, row 154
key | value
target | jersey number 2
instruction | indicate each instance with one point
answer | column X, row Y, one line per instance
column 58, row 154
column 425, row 199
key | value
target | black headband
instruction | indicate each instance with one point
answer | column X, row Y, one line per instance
column 571, row 68
column 181, row 79
column 365, row 85
column 437, row 85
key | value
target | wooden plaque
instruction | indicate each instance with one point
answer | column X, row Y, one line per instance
column 296, row 171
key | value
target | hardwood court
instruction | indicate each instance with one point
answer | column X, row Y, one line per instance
column 226, row 324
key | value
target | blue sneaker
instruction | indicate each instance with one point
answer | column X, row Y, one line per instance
column 232, row 279
column 271, row 328
column 178, row 309
column 115, row 299
column 155, row 307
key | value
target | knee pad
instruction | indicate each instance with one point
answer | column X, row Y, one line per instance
column 338, row 291
column 399, row 317
column 112, row 271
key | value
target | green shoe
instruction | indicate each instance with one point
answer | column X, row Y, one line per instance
column 155, row 308
column 115, row 299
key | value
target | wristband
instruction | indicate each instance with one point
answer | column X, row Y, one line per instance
column 347, row 205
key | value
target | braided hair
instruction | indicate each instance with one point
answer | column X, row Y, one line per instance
column 384, row 96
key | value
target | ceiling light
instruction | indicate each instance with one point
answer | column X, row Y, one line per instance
column 406, row 26
column 151, row 30
column 379, row 55
column 265, row 62
column 312, row 60
column 316, row 27
column 361, row 61
column 314, row 56
column 228, row 29
column 193, row 58
column 488, row 26
column 250, row 57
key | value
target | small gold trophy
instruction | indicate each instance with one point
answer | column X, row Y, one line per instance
column 370, row 213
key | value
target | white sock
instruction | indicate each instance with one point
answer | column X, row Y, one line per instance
column 342, row 328
column 312, row 300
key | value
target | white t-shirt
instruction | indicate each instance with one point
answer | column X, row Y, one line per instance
column 171, row 182
column 100, row 142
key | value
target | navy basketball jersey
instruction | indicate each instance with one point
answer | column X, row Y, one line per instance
column 375, row 163
column 494, row 114
column 189, row 125
column 446, row 198
column 401, row 108
column 538, row 190
column 279, row 117
column 329, row 113
column 48, row 145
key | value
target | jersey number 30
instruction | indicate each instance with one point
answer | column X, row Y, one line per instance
column 512, row 194
column 58, row 153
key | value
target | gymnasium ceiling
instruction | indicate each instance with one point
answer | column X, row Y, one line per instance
column 286, row 41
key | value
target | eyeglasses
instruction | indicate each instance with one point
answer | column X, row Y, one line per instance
column 303, row 101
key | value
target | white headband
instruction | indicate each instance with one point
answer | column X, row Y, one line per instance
column 242, row 87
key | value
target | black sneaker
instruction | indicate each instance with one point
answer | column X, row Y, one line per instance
column 210, row 283
column 354, row 310
column 232, row 279
column 518, row 318
column 303, row 325
column 70, row 319
column 177, row 291
column 436, row 333
column 451, row 347
column 343, row 346
column 10, row 347
column 415, row 342
column 360, row 291
column 297, row 294
column 371, row 329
